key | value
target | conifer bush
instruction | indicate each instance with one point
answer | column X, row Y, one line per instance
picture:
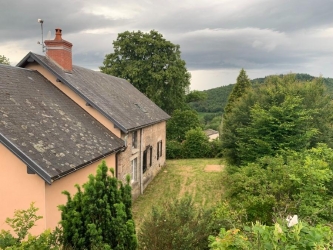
column 99, row 215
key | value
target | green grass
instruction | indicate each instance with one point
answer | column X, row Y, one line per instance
column 176, row 179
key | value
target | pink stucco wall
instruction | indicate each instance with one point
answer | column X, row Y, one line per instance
column 53, row 194
column 18, row 189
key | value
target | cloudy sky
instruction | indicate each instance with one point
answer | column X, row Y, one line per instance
column 217, row 37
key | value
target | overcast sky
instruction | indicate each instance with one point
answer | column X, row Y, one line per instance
column 217, row 37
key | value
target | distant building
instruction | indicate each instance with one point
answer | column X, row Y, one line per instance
column 212, row 134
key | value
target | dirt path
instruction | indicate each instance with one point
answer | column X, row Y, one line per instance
column 214, row 168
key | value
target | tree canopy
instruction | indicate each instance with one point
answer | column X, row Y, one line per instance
column 242, row 85
column 282, row 114
column 4, row 60
column 181, row 122
column 153, row 65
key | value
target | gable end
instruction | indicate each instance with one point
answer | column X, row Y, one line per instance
column 29, row 162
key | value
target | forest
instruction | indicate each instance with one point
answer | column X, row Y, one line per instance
column 217, row 97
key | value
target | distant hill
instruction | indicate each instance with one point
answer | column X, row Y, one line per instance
column 217, row 97
column 216, row 100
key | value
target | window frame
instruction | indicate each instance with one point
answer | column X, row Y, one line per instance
column 151, row 156
column 134, row 169
column 135, row 139
column 144, row 161
column 159, row 149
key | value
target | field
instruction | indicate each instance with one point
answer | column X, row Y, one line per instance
column 199, row 177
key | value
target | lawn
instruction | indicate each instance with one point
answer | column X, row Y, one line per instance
column 176, row 179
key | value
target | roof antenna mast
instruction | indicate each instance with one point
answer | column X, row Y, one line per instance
column 41, row 27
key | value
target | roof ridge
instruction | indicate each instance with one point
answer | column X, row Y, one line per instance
column 113, row 97
column 78, row 66
column 14, row 67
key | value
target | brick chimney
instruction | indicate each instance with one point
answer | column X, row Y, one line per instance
column 60, row 51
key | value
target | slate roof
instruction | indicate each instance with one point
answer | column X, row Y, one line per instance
column 114, row 97
column 45, row 128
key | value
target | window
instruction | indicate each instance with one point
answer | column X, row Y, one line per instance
column 134, row 170
column 159, row 149
column 151, row 156
column 134, row 139
column 144, row 161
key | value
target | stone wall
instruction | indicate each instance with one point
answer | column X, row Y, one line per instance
column 147, row 139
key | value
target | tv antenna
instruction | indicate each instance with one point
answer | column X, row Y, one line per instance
column 41, row 27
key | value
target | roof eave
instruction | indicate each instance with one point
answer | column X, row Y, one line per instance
column 22, row 63
column 26, row 159
column 54, row 178
column 148, row 124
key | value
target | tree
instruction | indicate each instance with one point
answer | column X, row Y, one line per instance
column 242, row 85
column 196, row 96
column 181, row 122
column 153, row 65
column 99, row 217
column 280, row 115
column 4, row 60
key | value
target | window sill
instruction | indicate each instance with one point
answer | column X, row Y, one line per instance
column 134, row 150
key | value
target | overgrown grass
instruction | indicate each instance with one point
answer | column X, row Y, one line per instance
column 176, row 179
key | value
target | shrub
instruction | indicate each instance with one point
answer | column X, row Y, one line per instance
column 174, row 149
column 177, row 225
column 21, row 223
column 277, row 236
column 293, row 183
column 215, row 149
column 100, row 215
column 196, row 144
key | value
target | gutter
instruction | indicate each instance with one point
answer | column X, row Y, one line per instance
column 26, row 159
column 147, row 125
column 87, row 163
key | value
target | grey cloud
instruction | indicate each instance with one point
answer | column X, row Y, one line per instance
column 258, row 34
column 19, row 18
column 281, row 15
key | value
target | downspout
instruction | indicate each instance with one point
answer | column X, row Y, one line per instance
column 116, row 167
column 141, row 163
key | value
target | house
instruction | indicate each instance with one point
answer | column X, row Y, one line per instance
column 212, row 134
column 59, row 120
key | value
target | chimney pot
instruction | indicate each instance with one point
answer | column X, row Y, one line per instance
column 58, row 34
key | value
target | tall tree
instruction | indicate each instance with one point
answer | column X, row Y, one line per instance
column 282, row 114
column 153, row 65
column 4, row 60
column 181, row 122
column 242, row 85
column 99, row 217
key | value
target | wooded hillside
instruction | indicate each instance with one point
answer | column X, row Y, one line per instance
column 217, row 97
